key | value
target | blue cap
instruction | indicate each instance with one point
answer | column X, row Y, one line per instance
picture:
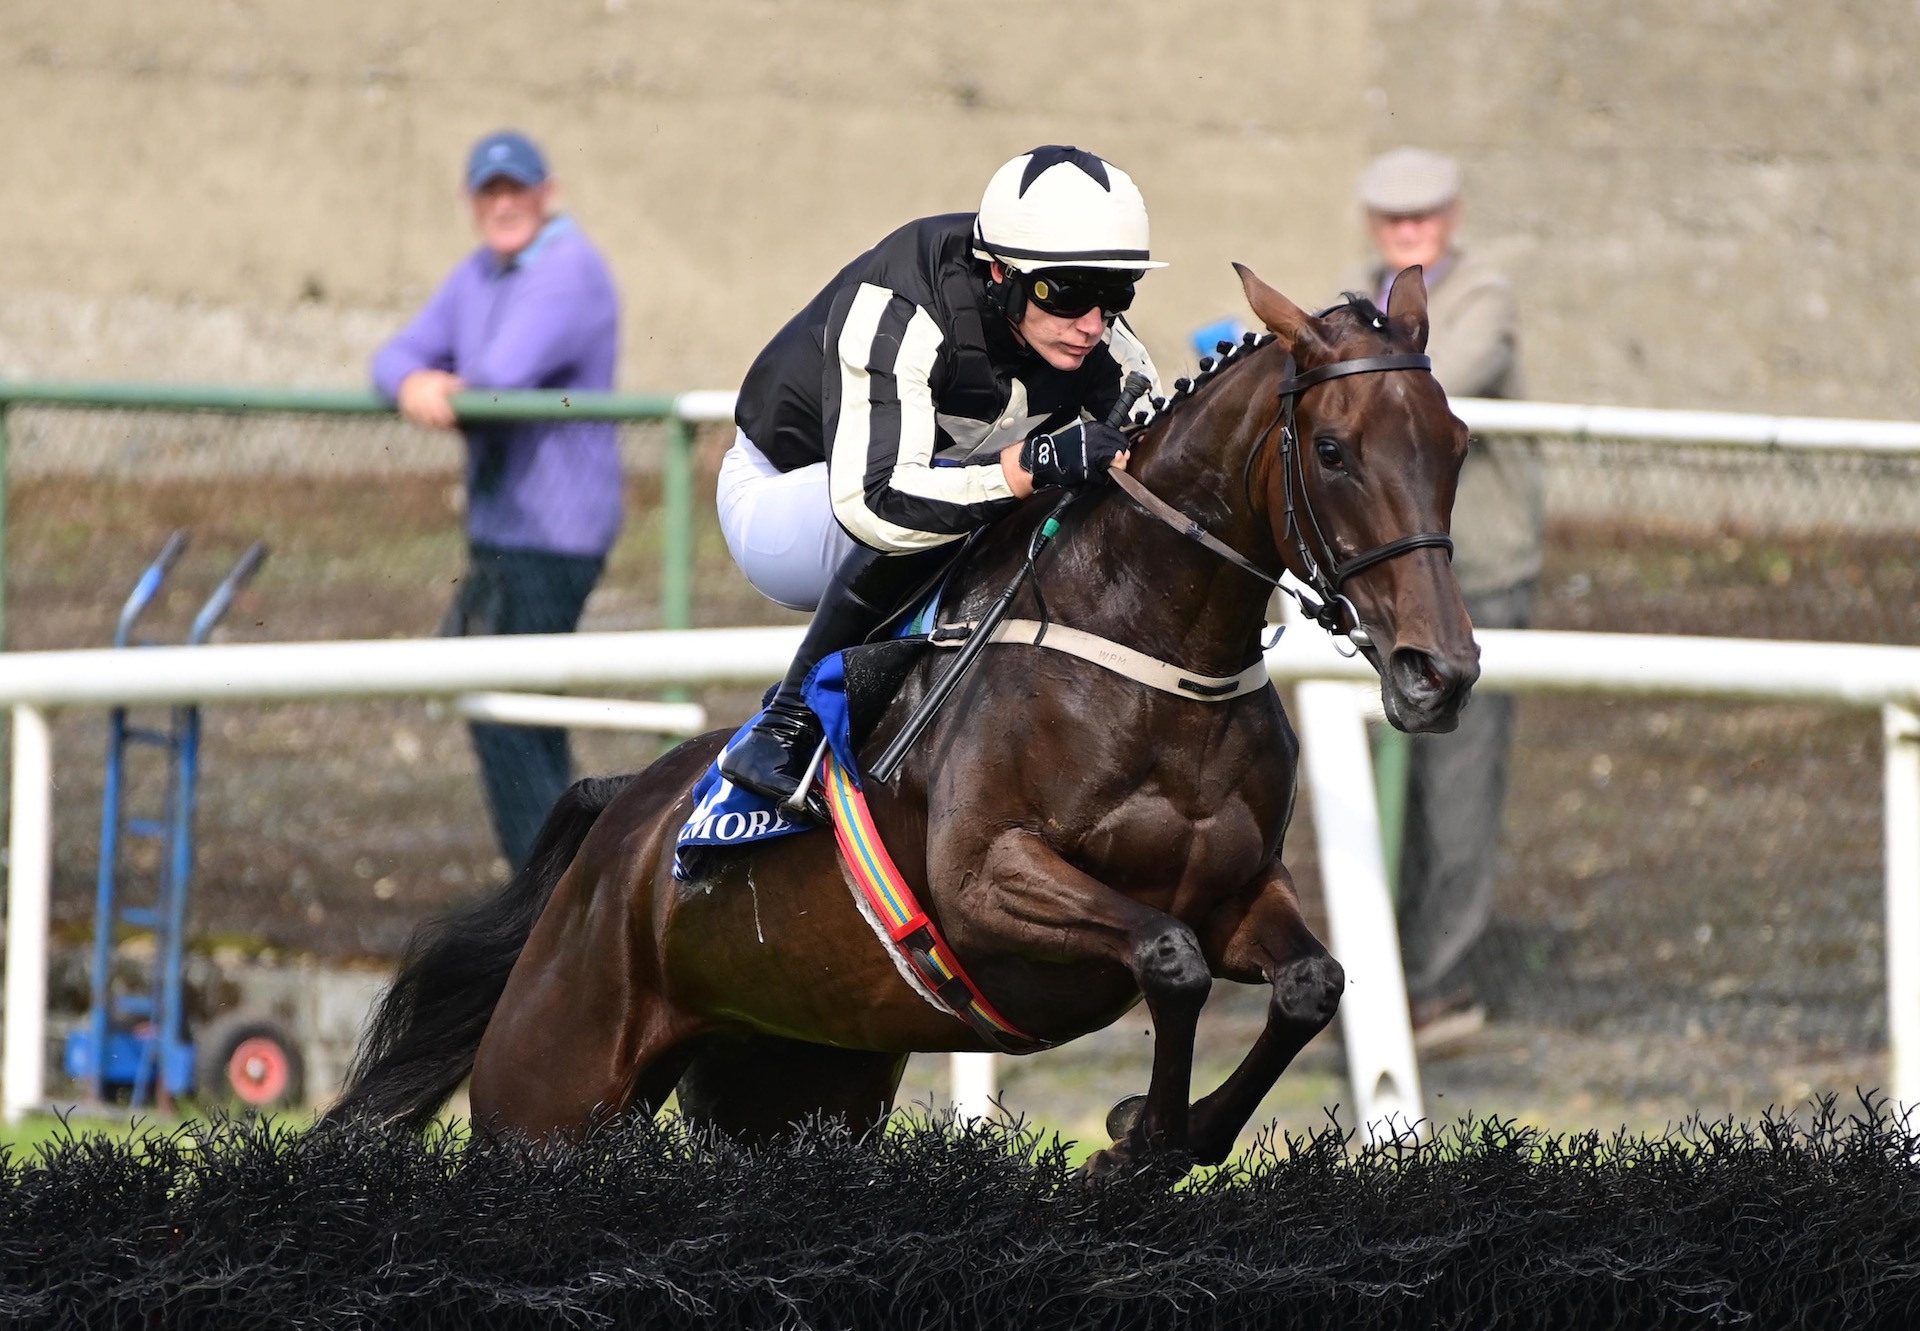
column 506, row 153
column 1207, row 338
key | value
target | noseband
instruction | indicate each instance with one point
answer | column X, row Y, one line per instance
column 1333, row 611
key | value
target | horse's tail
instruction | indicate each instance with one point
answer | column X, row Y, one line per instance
column 420, row 1043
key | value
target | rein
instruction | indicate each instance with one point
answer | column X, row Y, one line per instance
column 1333, row 612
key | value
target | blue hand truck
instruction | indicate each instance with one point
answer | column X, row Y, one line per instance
column 136, row 1035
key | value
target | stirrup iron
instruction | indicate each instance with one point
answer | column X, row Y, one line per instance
column 800, row 804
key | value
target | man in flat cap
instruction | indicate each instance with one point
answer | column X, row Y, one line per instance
column 1457, row 782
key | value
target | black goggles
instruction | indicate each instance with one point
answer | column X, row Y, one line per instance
column 1071, row 292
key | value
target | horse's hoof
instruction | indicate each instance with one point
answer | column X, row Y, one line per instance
column 1106, row 1164
column 1126, row 1160
column 1125, row 1116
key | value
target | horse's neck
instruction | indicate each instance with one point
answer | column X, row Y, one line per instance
column 1136, row 580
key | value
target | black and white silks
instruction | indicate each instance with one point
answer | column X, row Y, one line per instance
column 899, row 362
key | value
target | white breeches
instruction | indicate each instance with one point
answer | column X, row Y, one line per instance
column 780, row 525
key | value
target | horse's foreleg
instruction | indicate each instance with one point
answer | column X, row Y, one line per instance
column 1040, row 906
column 1269, row 941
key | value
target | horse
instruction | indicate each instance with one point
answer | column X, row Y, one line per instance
column 1084, row 841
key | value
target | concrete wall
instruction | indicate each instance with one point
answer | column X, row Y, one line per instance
column 728, row 156
column 1703, row 205
column 1698, row 210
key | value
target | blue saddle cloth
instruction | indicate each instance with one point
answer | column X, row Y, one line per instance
column 725, row 816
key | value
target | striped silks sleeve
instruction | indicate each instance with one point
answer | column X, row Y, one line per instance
column 1131, row 353
column 886, row 491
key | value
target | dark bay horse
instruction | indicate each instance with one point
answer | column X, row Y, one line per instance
column 1083, row 840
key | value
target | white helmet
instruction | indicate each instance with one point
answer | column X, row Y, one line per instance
column 1060, row 207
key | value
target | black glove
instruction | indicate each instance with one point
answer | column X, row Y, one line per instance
column 1072, row 455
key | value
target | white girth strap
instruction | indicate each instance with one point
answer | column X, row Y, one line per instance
column 1137, row 666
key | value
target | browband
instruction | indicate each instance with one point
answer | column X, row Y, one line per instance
column 1405, row 360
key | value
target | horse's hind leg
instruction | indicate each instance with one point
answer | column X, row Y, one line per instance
column 755, row 1087
column 1269, row 941
column 556, row 1062
column 581, row 1033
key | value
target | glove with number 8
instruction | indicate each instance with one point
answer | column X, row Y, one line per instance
column 1073, row 455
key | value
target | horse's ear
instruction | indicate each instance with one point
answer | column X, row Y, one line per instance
column 1293, row 325
column 1407, row 305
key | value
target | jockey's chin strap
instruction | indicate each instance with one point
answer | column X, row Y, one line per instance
column 1334, row 612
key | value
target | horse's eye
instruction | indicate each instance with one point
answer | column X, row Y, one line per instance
column 1329, row 451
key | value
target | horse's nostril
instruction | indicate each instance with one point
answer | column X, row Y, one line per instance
column 1423, row 673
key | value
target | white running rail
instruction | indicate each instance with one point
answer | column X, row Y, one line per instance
column 33, row 683
column 1572, row 420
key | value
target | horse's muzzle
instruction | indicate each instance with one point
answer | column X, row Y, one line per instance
column 1424, row 691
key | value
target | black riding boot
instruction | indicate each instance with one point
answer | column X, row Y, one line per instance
column 866, row 588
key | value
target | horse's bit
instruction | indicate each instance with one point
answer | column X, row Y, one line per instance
column 1333, row 611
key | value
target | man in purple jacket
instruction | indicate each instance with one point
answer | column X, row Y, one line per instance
column 533, row 307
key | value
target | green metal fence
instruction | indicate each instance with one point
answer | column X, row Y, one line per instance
column 677, row 464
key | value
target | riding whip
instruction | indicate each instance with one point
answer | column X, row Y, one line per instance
column 883, row 769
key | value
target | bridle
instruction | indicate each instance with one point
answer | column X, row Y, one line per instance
column 1334, row 612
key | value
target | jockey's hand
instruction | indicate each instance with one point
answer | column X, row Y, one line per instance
column 1072, row 456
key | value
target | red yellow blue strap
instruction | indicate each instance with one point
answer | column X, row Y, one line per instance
column 885, row 889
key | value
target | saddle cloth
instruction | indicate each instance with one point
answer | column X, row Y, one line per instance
column 847, row 691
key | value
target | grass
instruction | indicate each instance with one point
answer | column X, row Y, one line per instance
column 37, row 1130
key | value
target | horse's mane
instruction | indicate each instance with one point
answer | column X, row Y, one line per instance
column 1227, row 356
column 1352, row 307
column 1364, row 310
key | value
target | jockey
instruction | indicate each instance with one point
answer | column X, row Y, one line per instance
column 943, row 376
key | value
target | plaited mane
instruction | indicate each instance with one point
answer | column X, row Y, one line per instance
column 1228, row 354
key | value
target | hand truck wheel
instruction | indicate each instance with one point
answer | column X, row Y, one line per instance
column 250, row 1062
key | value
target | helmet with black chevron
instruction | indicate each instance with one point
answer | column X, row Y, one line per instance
column 1070, row 216
column 1065, row 231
